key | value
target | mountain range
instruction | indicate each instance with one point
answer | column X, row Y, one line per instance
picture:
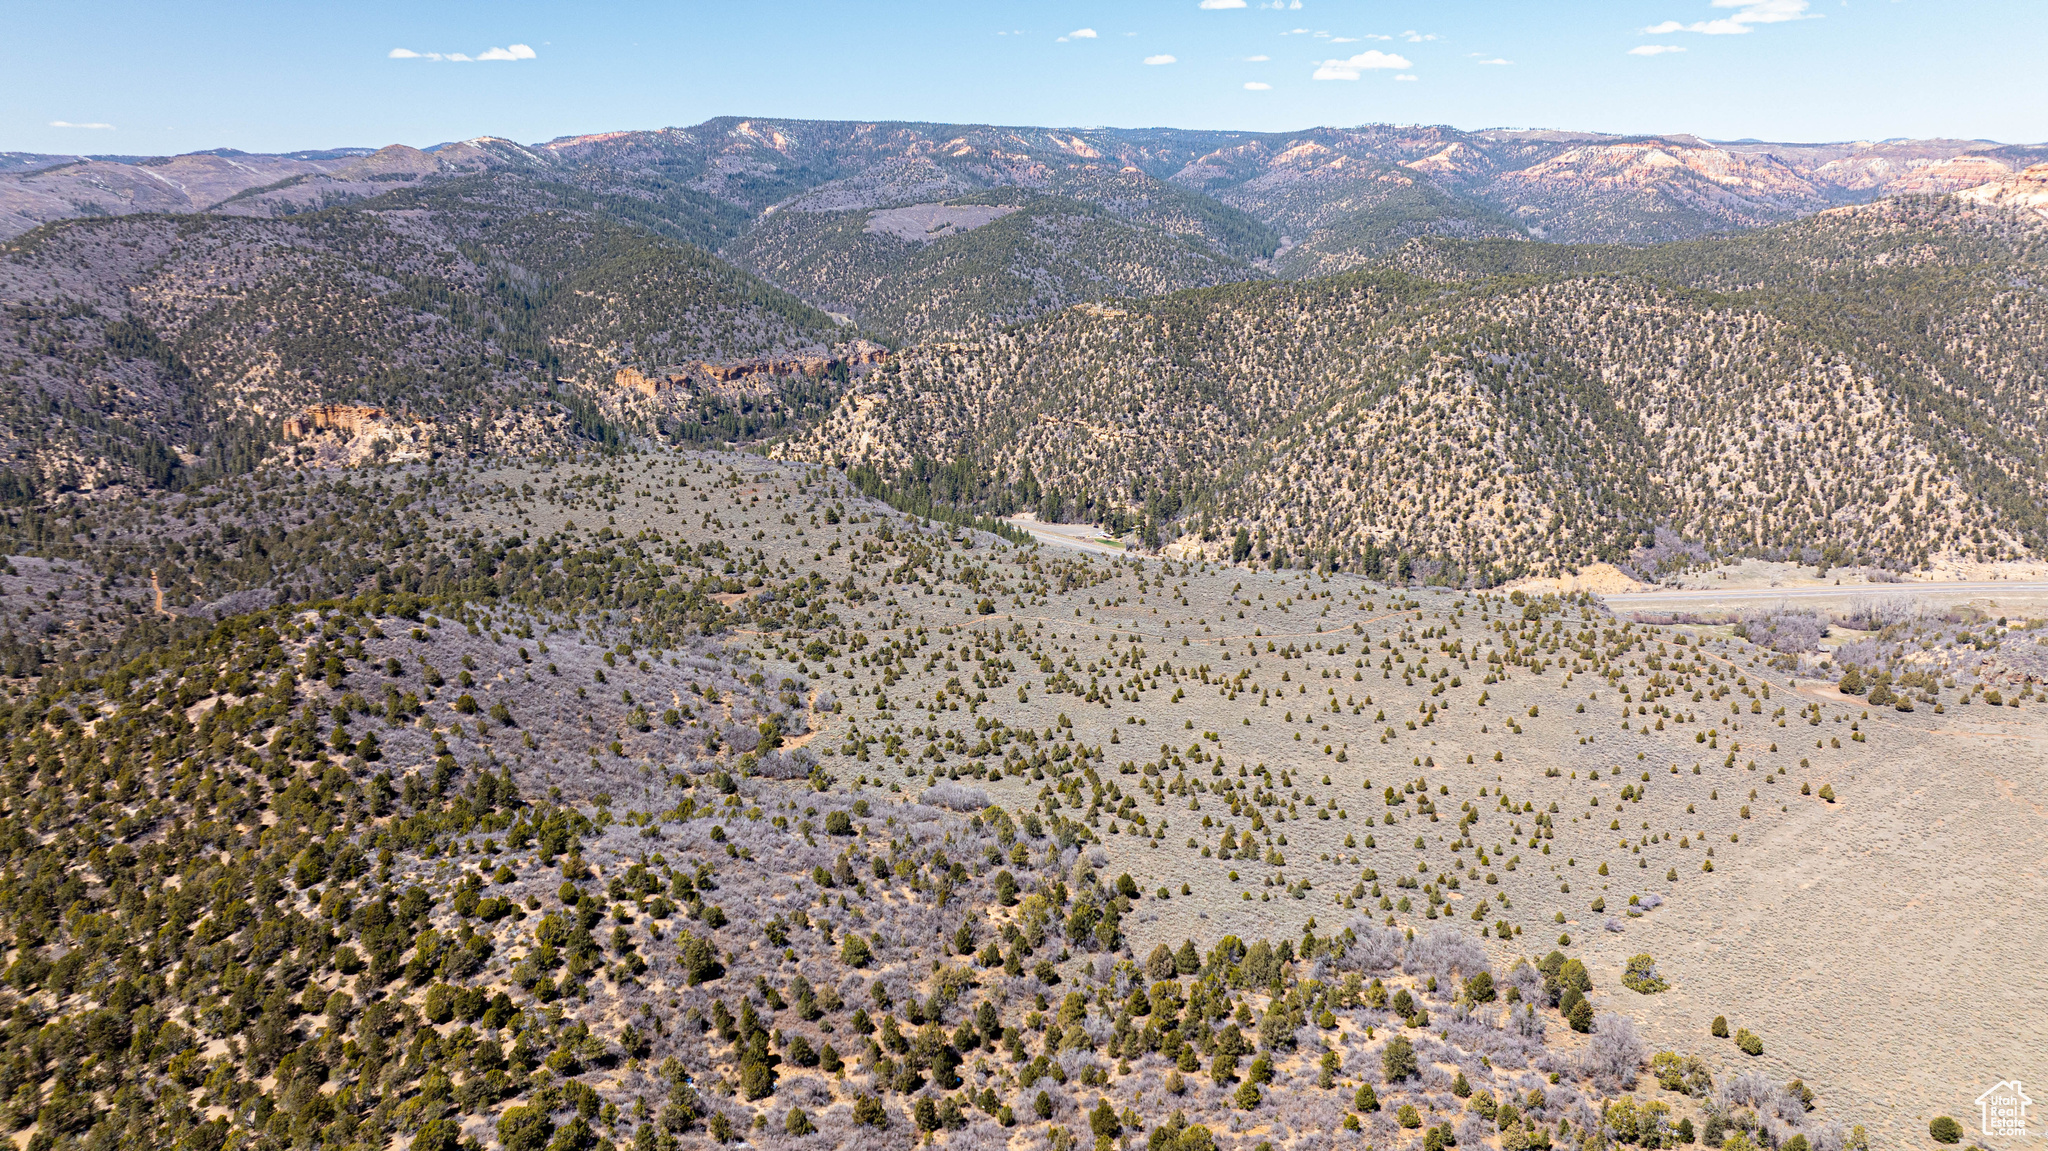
column 1486, row 353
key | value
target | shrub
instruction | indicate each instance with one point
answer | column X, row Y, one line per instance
column 838, row 823
column 1827, row 792
column 1945, row 1130
column 525, row 1129
column 799, row 1123
column 1615, row 1053
column 1398, row 1059
column 1408, row 1116
column 698, row 958
column 1720, row 1027
column 1746, row 1040
column 437, row 1135
column 1784, row 631
column 1687, row 1073
column 868, row 1111
column 854, row 951
column 1572, row 973
column 955, row 797
column 1444, row 951
column 1581, row 1016
column 1642, row 977
column 1366, row 1100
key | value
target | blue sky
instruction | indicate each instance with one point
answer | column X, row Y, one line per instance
column 117, row 76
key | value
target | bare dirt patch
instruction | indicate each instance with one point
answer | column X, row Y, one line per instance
column 923, row 223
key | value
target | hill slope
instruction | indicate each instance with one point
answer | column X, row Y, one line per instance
column 140, row 347
column 1147, row 210
column 1864, row 383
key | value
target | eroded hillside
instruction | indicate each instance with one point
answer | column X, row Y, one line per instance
column 1863, row 384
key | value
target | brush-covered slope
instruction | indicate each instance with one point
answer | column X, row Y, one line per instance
column 1032, row 255
column 1864, row 383
column 144, row 346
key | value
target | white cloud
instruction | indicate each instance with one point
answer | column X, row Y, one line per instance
column 1343, row 39
column 1255, row 86
column 69, row 124
column 1405, row 76
column 1496, row 60
column 515, row 52
column 1414, row 37
column 1654, row 49
column 1768, row 11
column 1161, row 59
column 1216, row 4
column 1082, row 34
column 1257, row 59
column 1364, row 61
column 1748, row 14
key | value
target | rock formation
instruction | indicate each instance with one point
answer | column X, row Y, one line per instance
column 653, row 385
column 347, row 419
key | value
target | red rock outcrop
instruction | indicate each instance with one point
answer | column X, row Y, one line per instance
column 346, row 418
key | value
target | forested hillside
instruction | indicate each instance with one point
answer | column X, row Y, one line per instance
column 1862, row 384
column 1047, row 253
column 163, row 349
column 1117, row 211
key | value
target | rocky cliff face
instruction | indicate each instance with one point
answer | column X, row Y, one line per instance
column 2028, row 190
column 348, row 419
